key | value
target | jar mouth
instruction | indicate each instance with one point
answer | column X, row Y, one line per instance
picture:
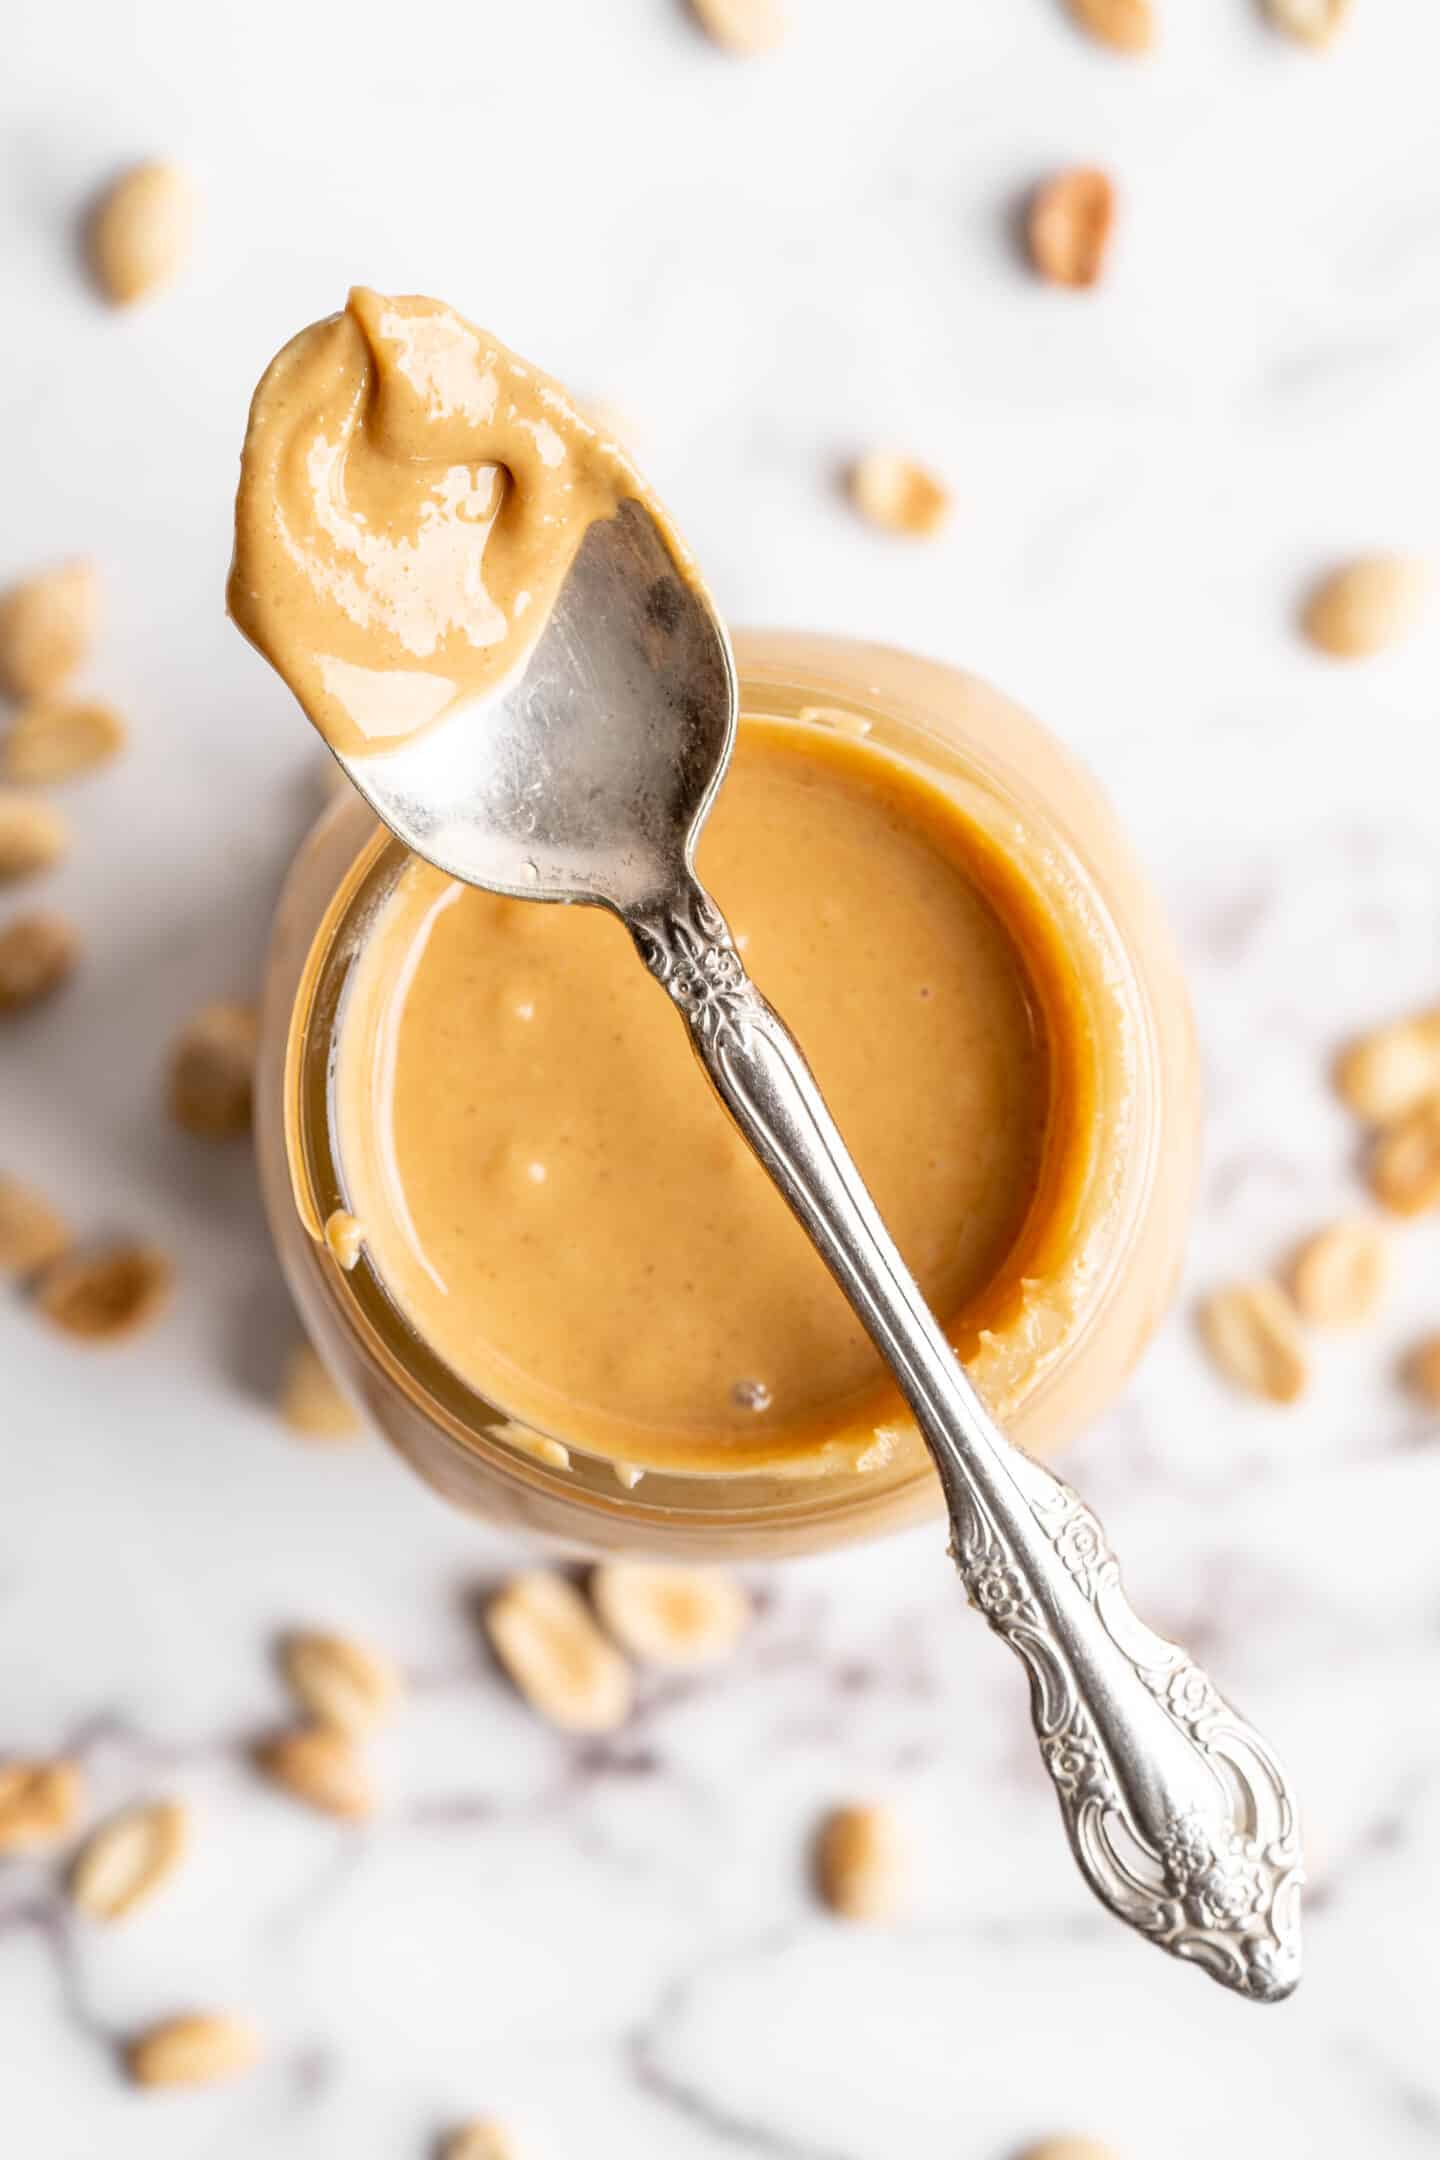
column 1018, row 1365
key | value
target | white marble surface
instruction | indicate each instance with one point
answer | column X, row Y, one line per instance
column 767, row 265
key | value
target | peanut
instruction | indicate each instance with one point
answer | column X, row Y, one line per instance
column 142, row 231
column 543, row 1634
column 1367, row 606
column 860, row 1863
column 898, row 495
column 675, row 1616
column 1069, row 226
column 1253, row 1336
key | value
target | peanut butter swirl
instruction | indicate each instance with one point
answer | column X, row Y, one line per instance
column 411, row 498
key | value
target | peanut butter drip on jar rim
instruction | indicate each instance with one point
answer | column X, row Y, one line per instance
column 411, row 498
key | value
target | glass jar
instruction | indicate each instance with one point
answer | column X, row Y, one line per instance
column 1107, row 1282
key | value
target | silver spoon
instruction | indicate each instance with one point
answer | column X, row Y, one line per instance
column 588, row 778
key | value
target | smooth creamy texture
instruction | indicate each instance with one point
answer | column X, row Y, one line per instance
column 411, row 497
column 564, row 1211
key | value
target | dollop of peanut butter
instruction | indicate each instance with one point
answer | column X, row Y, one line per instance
column 411, row 498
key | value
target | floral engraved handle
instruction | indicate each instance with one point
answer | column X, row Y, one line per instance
column 687, row 946
column 1209, row 1869
column 1180, row 1818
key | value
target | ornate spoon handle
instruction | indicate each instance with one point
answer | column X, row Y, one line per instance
column 1180, row 1818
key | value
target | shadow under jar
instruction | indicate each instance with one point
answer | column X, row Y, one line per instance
column 1042, row 1202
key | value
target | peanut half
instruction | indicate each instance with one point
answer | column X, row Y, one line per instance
column 1339, row 1275
column 1127, row 26
column 1068, row 227
column 667, row 1615
column 1387, row 1073
column 542, row 1631
column 212, row 1071
column 1422, row 1371
column 1254, row 1338
column 1314, row 22
column 898, row 495
column 741, row 26
column 1367, row 606
column 861, row 1863
column 101, row 1296
column 1405, row 1161
column 483, row 2140
column 1068, row 2148
column 38, row 955
column 340, row 1682
column 141, row 231
column 197, row 2050
column 319, row 1765
column 47, row 626
column 39, row 1802
column 123, row 1863
column 59, row 738
column 33, row 837
column 32, row 1233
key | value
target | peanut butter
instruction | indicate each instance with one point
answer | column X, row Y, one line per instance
column 411, row 497
column 565, row 1214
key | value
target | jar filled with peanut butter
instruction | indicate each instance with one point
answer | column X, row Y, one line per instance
column 565, row 1290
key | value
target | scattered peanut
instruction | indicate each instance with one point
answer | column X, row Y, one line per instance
column 1422, row 1371
column 122, row 1864
column 39, row 1802
column 1367, row 606
column 1314, row 22
column 1253, row 1336
column 58, row 738
column 47, row 624
column 196, row 2050
column 860, row 1863
column 1128, row 26
column 340, row 1682
column 741, row 26
column 33, row 837
column 1391, row 1071
column 479, row 2141
column 141, row 231
column 1069, row 2148
column 1405, row 1161
column 38, row 953
column 310, row 1402
column 675, row 1616
column 1069, row 226
column 1339, row 1275
column 318, row 1765
column 32, row 1234
column 543, row 1634
column 212, row 1071
column 896, row 493
column 102, row 1295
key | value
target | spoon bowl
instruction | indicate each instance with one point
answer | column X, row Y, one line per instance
column 587, row 775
